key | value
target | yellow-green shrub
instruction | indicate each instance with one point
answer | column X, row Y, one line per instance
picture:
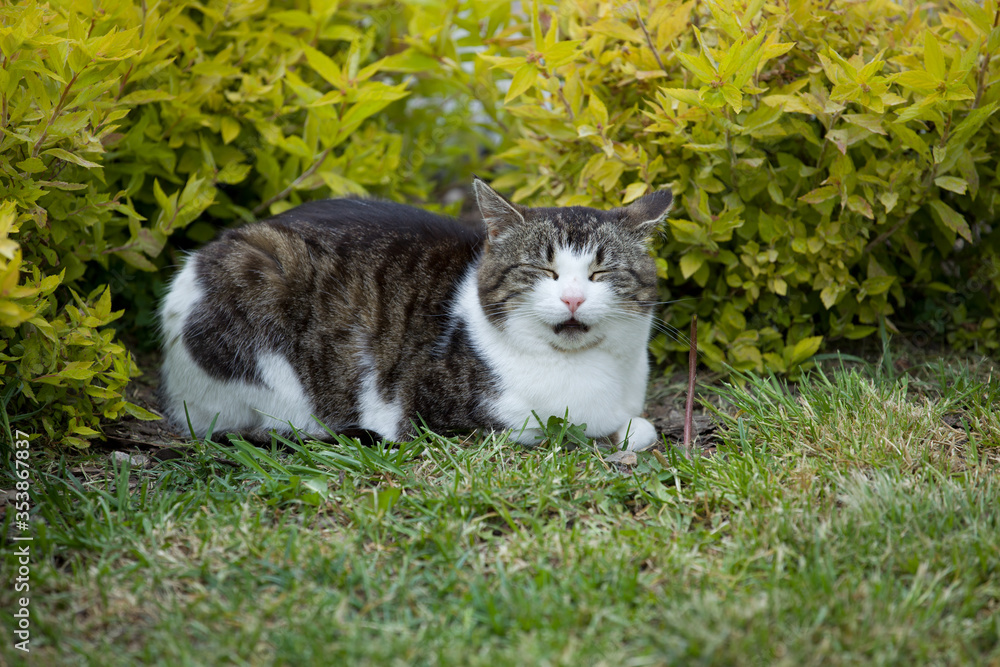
column 127, row 125
column 835, row 164
column 825, row 176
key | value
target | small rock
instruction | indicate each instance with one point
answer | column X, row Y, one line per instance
column 624, row 457
column 647, row 446
column 134, row 460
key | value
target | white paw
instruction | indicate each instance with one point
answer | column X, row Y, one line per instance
column 638, row 434
column 527, row 436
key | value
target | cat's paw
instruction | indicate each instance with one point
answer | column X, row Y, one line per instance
column 638, row 434
column 530, row 437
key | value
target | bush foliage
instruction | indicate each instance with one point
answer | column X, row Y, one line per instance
column 129, row 125
column 834, row 163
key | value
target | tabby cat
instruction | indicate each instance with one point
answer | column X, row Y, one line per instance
column 372, row 315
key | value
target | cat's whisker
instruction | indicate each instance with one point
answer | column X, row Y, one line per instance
column 665, row 303
column 657, row 324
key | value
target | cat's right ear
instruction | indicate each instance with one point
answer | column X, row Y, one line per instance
column 497, row 212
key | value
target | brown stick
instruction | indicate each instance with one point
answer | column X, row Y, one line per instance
column 692, row 372
column 294, row 184
column 649, row 40
column 981, row 83
column 881, row 238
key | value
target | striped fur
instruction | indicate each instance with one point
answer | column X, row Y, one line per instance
column 377, row 316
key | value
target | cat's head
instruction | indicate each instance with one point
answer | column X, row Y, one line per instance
column 569, row 276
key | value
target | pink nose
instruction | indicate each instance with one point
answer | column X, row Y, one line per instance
column 572, row 301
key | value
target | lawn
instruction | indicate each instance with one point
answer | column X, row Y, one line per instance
column 851, row 518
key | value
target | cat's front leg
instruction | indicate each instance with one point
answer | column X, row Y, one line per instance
column 638, row 434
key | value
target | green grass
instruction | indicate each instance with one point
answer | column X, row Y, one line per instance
column 845, row 520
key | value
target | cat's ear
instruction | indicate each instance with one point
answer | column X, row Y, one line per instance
column 646, row 213
column 498, row 213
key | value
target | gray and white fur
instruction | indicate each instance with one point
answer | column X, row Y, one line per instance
column 373, row 315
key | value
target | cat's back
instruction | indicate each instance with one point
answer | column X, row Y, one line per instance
column 304, row 291
column 330, row 234
column 367, row 222
column 334, row 255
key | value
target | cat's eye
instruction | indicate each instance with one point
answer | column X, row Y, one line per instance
column 549, row 272
column 596, row 274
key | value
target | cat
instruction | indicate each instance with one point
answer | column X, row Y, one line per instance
column 374, row 315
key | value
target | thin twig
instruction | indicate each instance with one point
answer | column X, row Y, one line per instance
column 55, row 113
column 124, row 82
column 826, row 141
column 881, row 238
column 569, row 109
column 562, row 97
column 294, row 184
column 733, row 173
column 692, row 372
column 981, row 83
column 649, row 40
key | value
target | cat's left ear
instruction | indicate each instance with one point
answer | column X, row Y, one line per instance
column 646, row 213
column 498, row 213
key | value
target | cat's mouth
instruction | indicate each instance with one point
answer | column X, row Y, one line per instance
column 572, row 325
